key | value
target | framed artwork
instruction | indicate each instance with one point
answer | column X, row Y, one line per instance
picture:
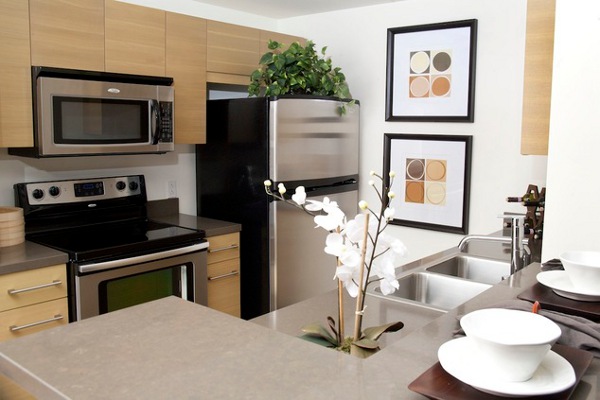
column 431, row 182
column 431, row 72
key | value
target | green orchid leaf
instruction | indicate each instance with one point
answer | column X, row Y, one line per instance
column 374, row 332
column 366, row 343
column 317, row 330
column 317, row 340
column 362, row 352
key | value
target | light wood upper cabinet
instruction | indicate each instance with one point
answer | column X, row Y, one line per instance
column 232, row 52
column 67, row 34
column 134, row 39
column 539, row 50
column 16, row 124
column 186, row 63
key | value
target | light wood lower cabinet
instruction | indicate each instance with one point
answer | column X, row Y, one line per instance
column 224, row 273
column 33, row 300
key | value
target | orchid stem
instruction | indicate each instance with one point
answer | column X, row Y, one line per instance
column 359, row 299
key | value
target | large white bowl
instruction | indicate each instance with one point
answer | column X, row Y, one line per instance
column 583, row 269
column 511, row 343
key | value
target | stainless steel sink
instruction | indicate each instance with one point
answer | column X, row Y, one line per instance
column 434, row 291
column 476, row 269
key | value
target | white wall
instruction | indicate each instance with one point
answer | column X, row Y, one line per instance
column 572, row 216
column 356, row 41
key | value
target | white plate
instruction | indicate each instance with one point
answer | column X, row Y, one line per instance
column 560, row 283
column 459, row 358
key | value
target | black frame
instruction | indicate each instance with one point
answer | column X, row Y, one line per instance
column 421, row 140
column 394, row 34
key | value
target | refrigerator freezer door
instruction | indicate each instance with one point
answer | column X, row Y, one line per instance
column 311, row 140
column 300, row 268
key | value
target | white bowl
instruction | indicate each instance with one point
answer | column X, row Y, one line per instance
column 583, row 269
column 511, row 343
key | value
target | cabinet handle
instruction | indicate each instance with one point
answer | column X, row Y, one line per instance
column 29, row 289
column 233, row 246
column 214, row 278
column 14, row 328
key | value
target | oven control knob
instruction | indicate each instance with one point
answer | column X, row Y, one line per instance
column 133, row 186
column 54, row 191
column 37, row 194
column 121, row 185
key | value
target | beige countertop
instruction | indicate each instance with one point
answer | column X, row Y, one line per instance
column 171, row 348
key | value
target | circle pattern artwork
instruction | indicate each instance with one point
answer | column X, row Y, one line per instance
column 430, row 74
column 415, row 169
column 425, row 181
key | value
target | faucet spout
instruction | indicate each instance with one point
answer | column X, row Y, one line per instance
column 520, row 252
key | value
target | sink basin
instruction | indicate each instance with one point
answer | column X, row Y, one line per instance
column 476, row 269
column 435, row 291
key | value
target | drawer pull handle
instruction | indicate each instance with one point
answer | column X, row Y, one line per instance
column 29, row 289
column 214, row 278
column 15, row 328
column 233, row 246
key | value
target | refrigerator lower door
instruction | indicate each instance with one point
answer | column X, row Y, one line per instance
column 300, row 268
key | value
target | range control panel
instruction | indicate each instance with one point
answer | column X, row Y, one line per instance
column 82, row 190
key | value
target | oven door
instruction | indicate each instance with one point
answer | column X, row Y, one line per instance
column 104, row 287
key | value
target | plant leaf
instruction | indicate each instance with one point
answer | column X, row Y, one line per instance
column 317, row 330
column 317, row 340
column 362, row 352
column 374, row 332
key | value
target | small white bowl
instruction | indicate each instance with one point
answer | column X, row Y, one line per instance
column 511, row 343
column 583, row 269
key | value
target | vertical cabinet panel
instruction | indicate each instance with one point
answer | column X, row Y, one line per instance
column 186, row 63
column 67, row 34
column 539, row 51
column 134, row 39
column 16, row 126
column 233, row 50
column 224, row 273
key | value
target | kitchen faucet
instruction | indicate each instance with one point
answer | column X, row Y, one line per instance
column 519, row 249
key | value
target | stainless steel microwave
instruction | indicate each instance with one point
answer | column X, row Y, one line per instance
column 83, row 113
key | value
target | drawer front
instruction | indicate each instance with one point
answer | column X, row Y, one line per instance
column 33, row 286
column 223, row 247
column 224, row 286
column 26, row 320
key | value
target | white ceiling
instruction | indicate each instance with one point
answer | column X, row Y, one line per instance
column 291, row 8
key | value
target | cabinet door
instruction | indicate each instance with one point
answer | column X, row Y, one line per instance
column 223, row 247
column 16, row 123
column 537, row 88
column 224, row 286
column 232, row 52
column 33, row 286
column 38, row 317
column 67, row 34
column 134, row 39
column 186, row 64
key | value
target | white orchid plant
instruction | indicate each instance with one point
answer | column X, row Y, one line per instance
column 365, row 255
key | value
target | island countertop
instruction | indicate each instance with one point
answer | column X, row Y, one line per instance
column 171, row 348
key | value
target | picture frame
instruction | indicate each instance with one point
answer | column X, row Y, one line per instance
column 432, row 180
column 431, row 72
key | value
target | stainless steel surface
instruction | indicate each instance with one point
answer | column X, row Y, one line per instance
column 520, row 252
column 87, row 286
column 311, row 140
column 102, row 266
column 49, row 87
column 438, row 292
column 232, row 273
column 233, row 246
column 298, row 274
column 15, row 328
column 37, row 287
column 473, row 268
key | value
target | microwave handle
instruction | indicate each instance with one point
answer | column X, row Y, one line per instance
column 155, row 110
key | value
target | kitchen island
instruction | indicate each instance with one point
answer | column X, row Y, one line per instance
column 171, row 348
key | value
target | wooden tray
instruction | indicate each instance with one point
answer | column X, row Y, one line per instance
column 437, row 384
column 551, row 301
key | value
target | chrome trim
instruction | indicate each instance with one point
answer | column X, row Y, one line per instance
column 14, row 328
column 29, row 289
column 102, row 266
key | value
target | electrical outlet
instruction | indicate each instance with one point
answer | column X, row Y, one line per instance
column 172, row 189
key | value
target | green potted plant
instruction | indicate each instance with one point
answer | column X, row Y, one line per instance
column 299, row 70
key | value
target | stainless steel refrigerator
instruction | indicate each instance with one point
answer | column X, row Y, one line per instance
column 299, row 140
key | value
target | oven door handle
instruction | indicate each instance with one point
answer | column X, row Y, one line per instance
column 101, row 266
